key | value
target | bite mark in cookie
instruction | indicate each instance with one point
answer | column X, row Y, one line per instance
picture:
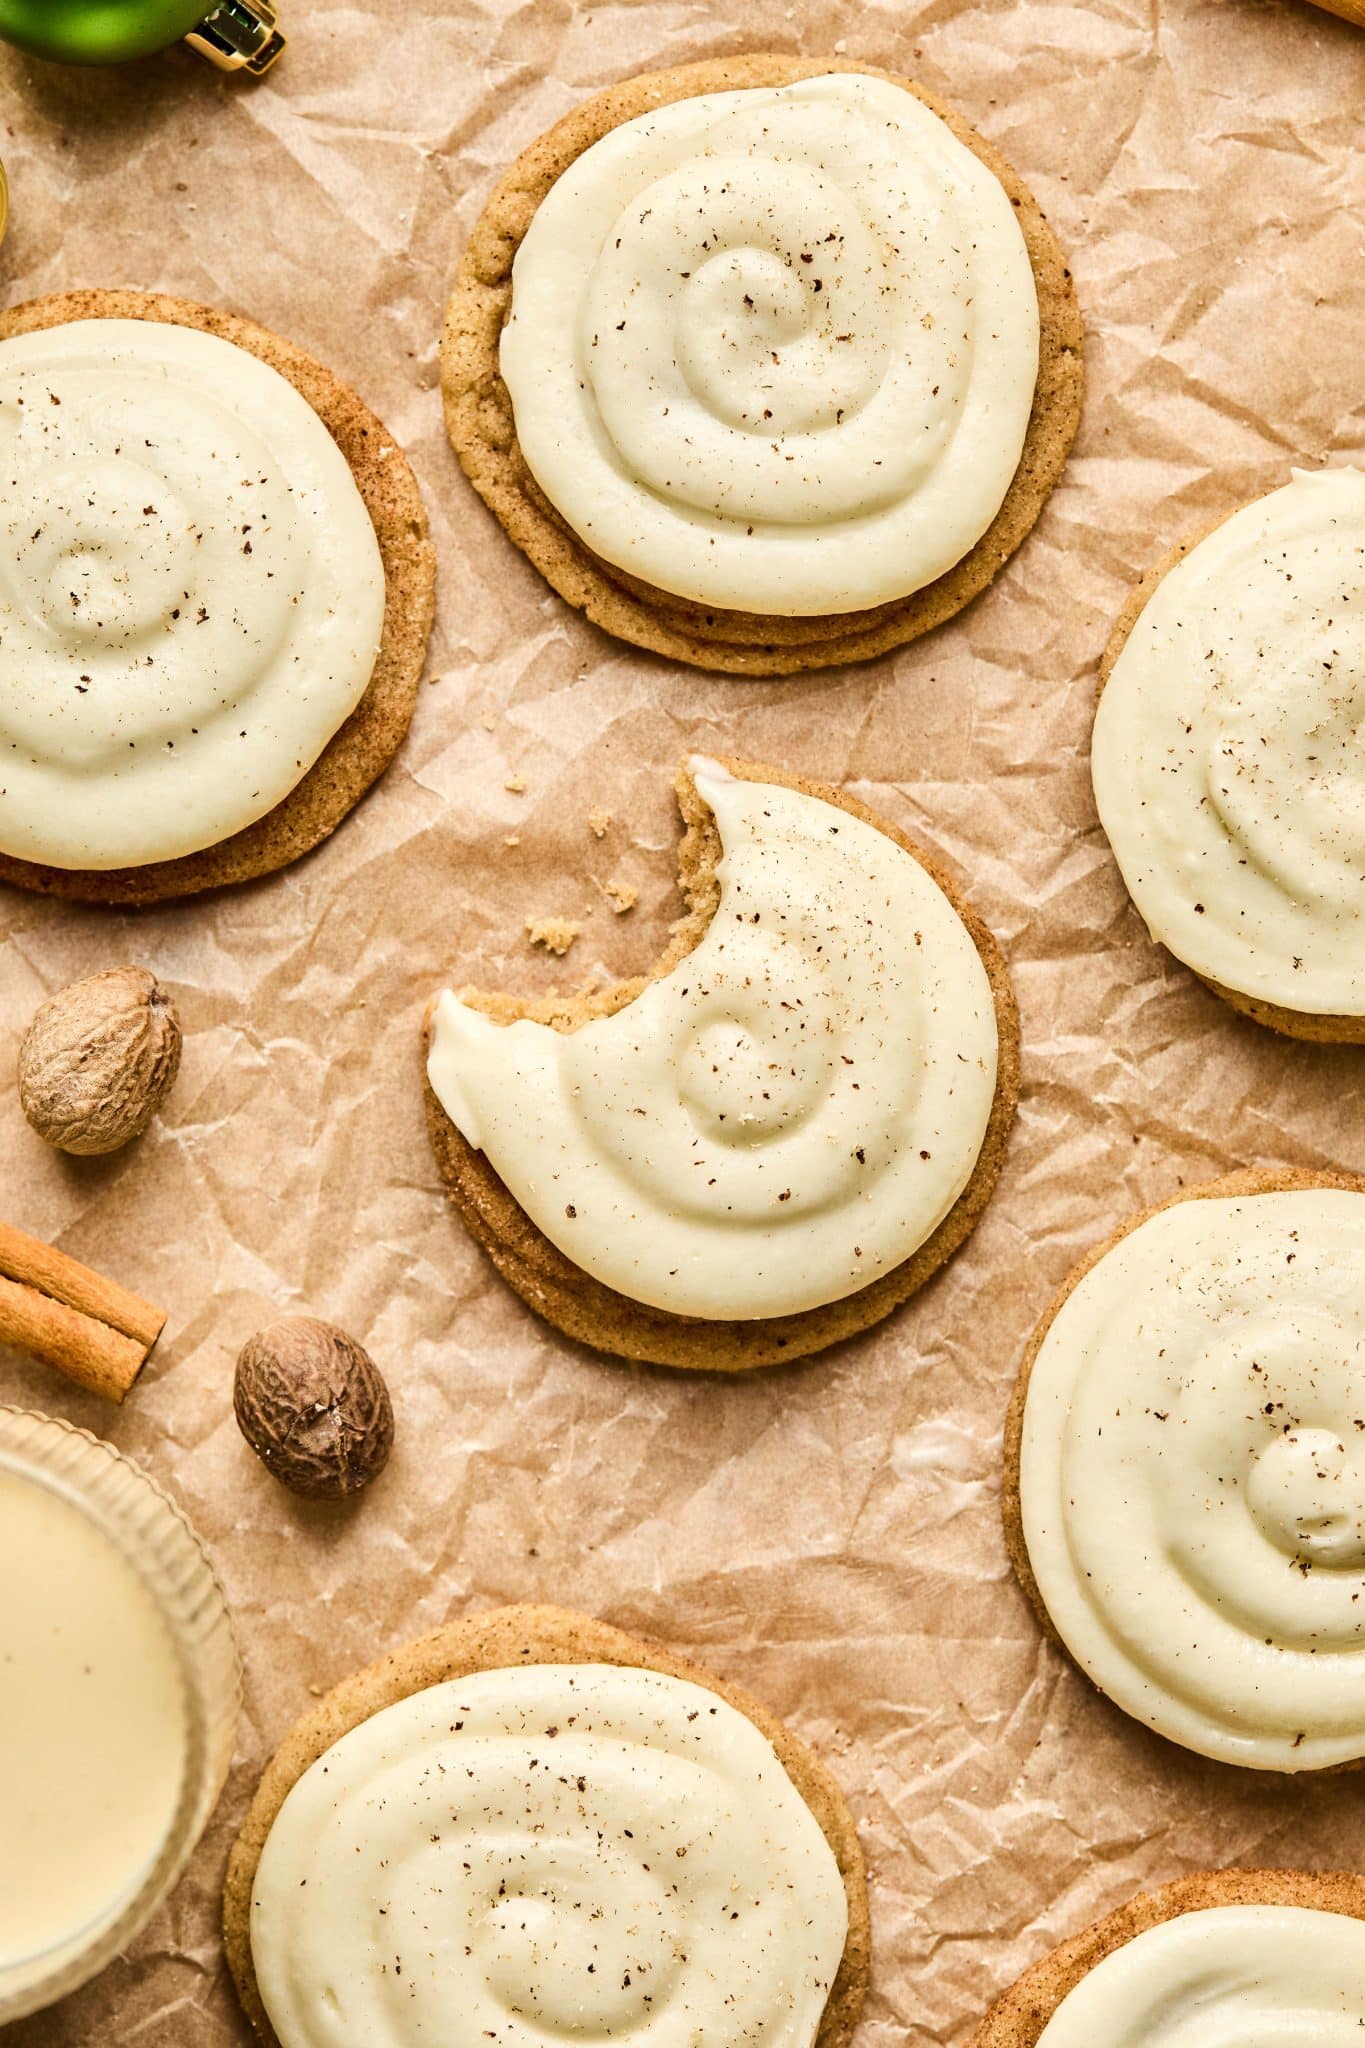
column 775, row 1137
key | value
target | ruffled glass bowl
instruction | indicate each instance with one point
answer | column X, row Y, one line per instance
column 158, row 1542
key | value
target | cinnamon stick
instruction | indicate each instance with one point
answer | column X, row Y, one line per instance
column 90, row 1328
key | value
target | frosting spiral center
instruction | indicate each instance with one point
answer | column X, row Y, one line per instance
column 567, row 1902
column 798, row 358
column 1307, row 1492
column 739, row 1094
column 116, row 573
column 749, row 312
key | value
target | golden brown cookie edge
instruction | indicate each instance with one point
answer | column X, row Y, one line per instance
column 362, row 748
column 500, row 1639
column 482, row 432
column 1251, row 1180
column 583, row 1308
column 1019, row 2016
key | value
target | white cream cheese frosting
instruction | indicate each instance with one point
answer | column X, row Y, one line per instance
column 553, row 1853
column 1224, row 1977
column 775, row 350
column 786, row 1115
column 1228, row 763
column 191, row 593
column 1192, row 1476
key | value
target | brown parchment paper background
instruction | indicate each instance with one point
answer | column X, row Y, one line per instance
column 827, row 1534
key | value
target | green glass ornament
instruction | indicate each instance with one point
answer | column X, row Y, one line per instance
column 234, row 34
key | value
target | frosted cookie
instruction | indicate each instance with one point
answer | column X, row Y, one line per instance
column 1227, row 761
column 215, row 594
column 529, row 1827
column 778, row 1135
column 766, row 363
column 1272, row 1957
column 1185, row 1470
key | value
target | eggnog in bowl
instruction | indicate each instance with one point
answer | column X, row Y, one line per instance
column 118, row 1704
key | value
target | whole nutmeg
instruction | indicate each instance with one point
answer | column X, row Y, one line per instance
column 98, row 1060
column 314, row 1407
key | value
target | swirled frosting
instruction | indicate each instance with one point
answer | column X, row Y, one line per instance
column 787, row 1114
column 775, row 350
column 554, row 1853
column 191, row 593
column 1228, row 765
column 1226, row 1977
column 1192, row 1475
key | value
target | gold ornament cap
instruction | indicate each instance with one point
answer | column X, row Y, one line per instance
column 239, row 35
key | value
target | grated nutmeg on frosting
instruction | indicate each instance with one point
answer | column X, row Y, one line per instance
column 551, row 1853
column 1192, row 1475
column 775, row 350
column 191, row 592
column 1227, row 752
column 787, row 1114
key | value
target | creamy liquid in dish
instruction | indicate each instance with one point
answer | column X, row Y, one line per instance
column 1192, row 1476
column 191, row 593
column 93, row 1727
column 785, row 1116
column 1228, row 761
column 775, row 350
column 1227, row 1977
column 560, row 1852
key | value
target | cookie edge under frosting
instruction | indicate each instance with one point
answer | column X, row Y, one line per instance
column 361, row 749
column 1246, row 1181
column 1019, row 2016
column 583, row 1308
column 502, row 1639
column 482, row 431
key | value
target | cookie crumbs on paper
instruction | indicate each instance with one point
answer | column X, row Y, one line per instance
column 598, row 821
column 555, row 934
column 622, row 897
column 516, row 784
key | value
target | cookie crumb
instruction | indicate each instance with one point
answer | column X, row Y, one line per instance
column 622, row 897
column 598, row 821
column 515, row 783
column 555, row 934
column 487, row 721
column 512, row 839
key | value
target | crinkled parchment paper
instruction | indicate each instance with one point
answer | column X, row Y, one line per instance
column 828, row 1534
